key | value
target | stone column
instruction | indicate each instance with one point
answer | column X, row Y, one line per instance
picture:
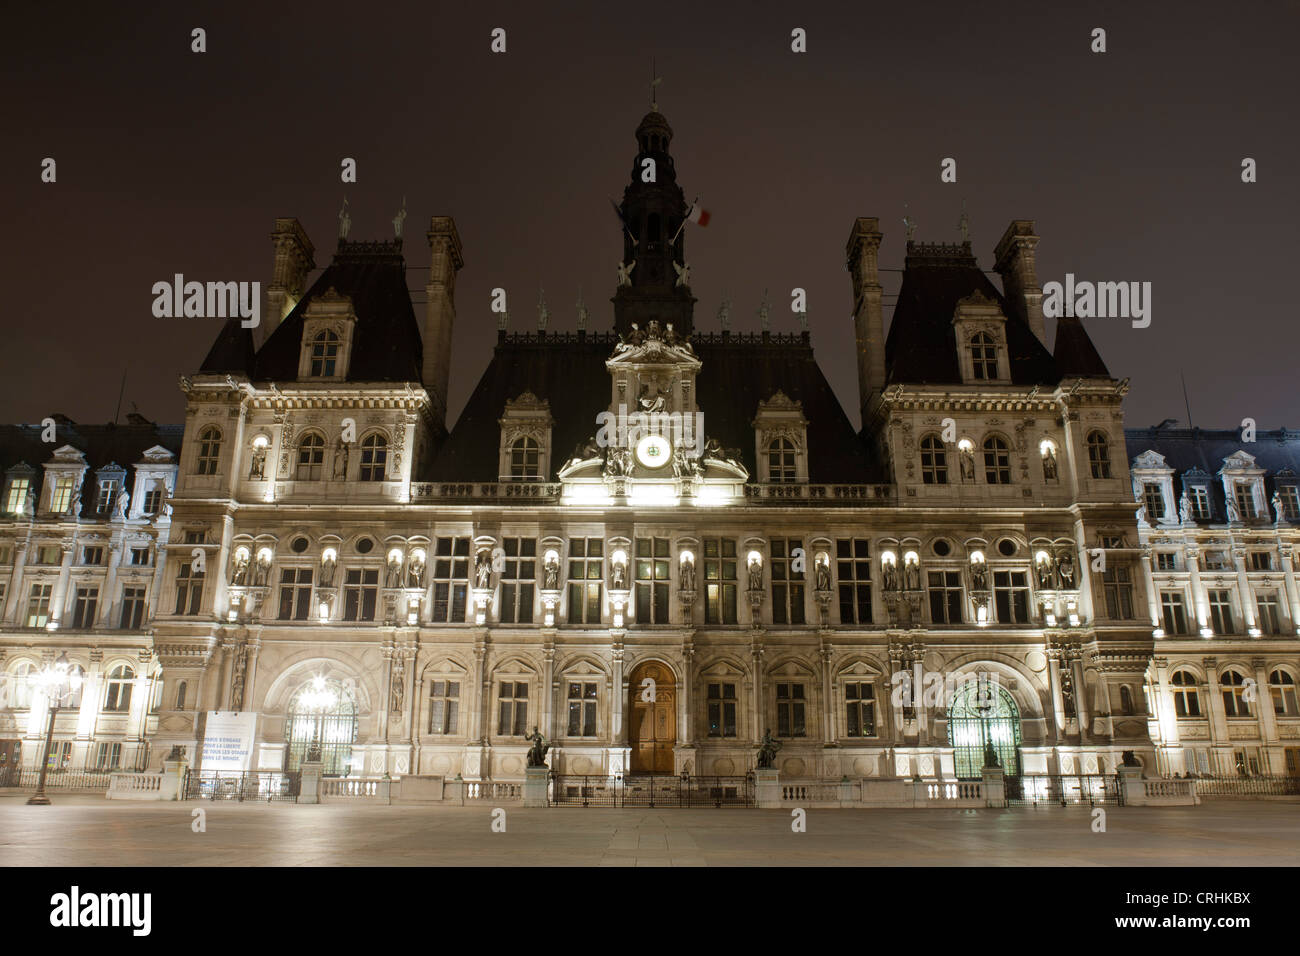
column 1054, row 686
column 1200, row 603
column 549, row 684
column 1153, row 597
column 756, row 664
column 1217, row 720
column 59, row 594
column 1082, row 705
column 1268, row 735
column 1167, row 719
column 618, row 725
column 1243, row 588
column 825, row 657
column 687, row 693
column 1292, row 591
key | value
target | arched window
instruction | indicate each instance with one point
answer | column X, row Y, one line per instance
column 1099, row 454
column 209, row 450
column 525, row 458
column 374, row 457
column 997, row 461
column 73, row 700
column 324, row 354
column 1187, row 698
column 1283, row 687
column 182, row 689
column 1125, row 700
column 311, row 457
column 20, row 685
column 983, row 356
column 934, row 461
column 1234, row 694
column 652, row 227
column 983, row 713
column 323, row 716
column 781, row 460
column 120, row 681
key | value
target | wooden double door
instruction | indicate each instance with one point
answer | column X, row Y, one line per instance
column 652, row 718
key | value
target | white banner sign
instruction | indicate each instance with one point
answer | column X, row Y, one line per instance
column 228, row 740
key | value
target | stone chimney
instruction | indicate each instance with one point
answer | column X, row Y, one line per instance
column 293, row 263
column 868, row 323
column 445, row 261
column 1014, row 257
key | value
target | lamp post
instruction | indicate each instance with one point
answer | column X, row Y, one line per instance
column 56, row 682
column 317, row 698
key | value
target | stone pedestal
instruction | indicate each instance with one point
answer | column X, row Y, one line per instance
column 535, row 786
column 768, row 788
column 995, row 788
column 1130, row 786
column 173, row 780
column 309, row 792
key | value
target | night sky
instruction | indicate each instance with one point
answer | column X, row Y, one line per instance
column 1129, row 162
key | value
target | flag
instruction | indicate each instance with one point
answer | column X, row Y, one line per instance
column 697, row 215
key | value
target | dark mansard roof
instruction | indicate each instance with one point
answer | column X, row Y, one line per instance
column 102, row 445
column 738, row 372
column 1199, row 453
column 386, row 343
column 922, row 345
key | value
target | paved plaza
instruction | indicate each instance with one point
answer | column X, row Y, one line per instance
column 89, row 831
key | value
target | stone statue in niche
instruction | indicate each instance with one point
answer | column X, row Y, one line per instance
column 1065, row 568
column 239, row 576
column 123, row 506
column 891, row 576
column 261, row 571
column 237, row 686
column 618, row 577
column 651, row 401
column 551, row 573
column 966, row 458
column 393, row 576
column 823, row 574
column 1044, row 568
column 1049, row 464
column 415, row 572
column 399, row 685
column 687, row 574
column 257, row 469
column 483, row 570
column 912, row 575
column 979, row 575
column 341, row 461
column 1234, row 513
column 755, row 574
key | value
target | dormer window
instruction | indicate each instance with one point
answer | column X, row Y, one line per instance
column 16, row 492
column 324, row 354
column 1245, row 499
column 525, row 458
column 209, row 453
column 1153, row 499
column 374, row 457
column 1200, row 501
column 984, row 357
column 153, row 498
column 1290, row 496
column 781, row 461
column 108, row 492
column 1099, row 454
column 311, row 457
column 61, row 493
column 1243, row 487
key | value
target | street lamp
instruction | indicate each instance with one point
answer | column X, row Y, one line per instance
column 56, row 682
column 317, row 698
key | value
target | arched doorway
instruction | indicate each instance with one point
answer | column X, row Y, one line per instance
column 983, row 712
column 322, row 712
column 652, row 718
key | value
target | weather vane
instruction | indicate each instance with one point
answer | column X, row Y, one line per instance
column 964, row 223
column 909, row 224
column 654, row 81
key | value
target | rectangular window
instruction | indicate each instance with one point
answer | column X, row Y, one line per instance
column 6, row 554
column 16, row 498
column 60, row 755
column 945, row 597
column 518, row 579
column 722, row 710
column 94, row 556
column 652, row 579
column 196, row 537
column 1153, row 498
column 108, row 491
column 140, row 557
column 853, row 569
column 1118, row 585
column 1261, row 561
column 1290, row 495
column 513, row 700
column 360, row 593
column 108, row 757
column 153, row 498
column 586, row 576
column 1200, row 499
column 189, row 590
column 1221, row 612
column 450, row 579
column 49, row 554
column 1166, row 561
column 860, row 701
column 720, row 581
column 1216, row 561
column 1269, row 622
column 1245, row 498
column 132, row 608
column 38, row 605
column 295, row 594
column 790, row 710
column 787, row 583
column 444, row 702
column 1173, row 613
column 1011, row 596
column 84, row 604
column 61, row 494
column 582, row 709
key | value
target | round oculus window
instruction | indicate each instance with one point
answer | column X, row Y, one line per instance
column 299, row 545
column 364, row 545
column 942, row 548
column 654, row 451
column 1006, row 547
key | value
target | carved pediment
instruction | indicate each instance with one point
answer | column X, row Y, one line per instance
column 1150, row 459
column 67, row 455
column 1240, row 461
column 157, row 455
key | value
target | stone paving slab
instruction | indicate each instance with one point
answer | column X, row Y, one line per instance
column 90, row 831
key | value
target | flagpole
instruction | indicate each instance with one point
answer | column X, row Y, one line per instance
column 684, row 219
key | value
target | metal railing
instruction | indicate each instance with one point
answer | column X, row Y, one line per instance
column 1063, row 789
column 1278, row 786
column 253, row 785
column 650, row 790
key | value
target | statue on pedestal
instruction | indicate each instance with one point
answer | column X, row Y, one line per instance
column 767, row 749
column 537, row 752
column 551, row 573
column 687, row 574
column 483, row 571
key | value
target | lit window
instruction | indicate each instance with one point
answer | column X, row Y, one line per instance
column 311, row 458
column 1283, row 687
column 1098, row 454
column 38, row 605
column 984, row 356
column 120, row 681
column 997, row 461
column 513, row 709
column 1235, row 703
column 860, row 703
column 374, row 457
column 16, row 499
column 781, row 461
column 444, row 702
column 934, row 461
column 582, row 709
column 61, row 496
column 1187, row 698
column 209, row 450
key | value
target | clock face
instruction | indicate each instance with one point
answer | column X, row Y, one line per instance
column 654, row 451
